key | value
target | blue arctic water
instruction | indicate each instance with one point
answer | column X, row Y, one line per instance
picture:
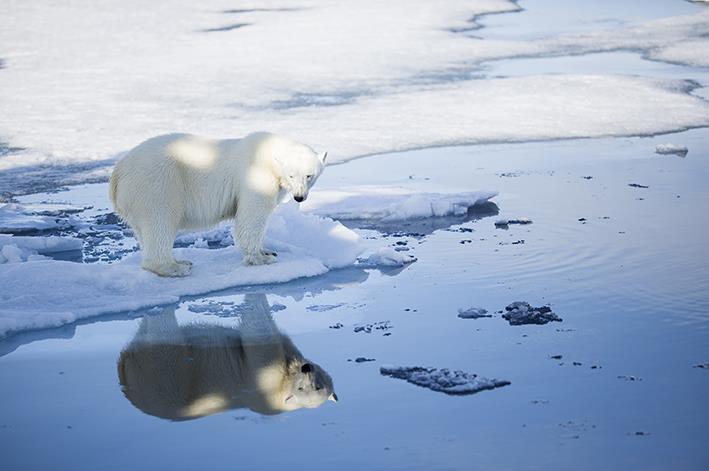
column 631, row 282
column 631, row 285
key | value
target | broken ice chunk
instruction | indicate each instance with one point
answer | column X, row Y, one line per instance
column 521, row 313
column 443, row 380
column 671, row 149
column 473, row 313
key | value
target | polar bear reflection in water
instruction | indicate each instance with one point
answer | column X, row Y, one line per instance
column 186, row 372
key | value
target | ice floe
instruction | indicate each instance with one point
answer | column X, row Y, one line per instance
column 49, row 293
column 391, row 203
column 473, row 313
column 521, row 313
column 443, row 380
column 671, row 149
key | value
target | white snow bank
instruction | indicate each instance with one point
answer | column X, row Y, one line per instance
column 15, row 249
column 16, row 218
column 390, row 203
column 50, row 293
column 86, row 80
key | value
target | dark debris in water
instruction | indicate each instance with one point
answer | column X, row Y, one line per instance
column 637, row 185
column 456, row 383
column 362, row 359
column 521, row 313
column 368, row 328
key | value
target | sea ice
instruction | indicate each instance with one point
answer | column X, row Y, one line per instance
column 473, row 313
column 386, row 257
column 521, row 313
column 443, row 380
column 671, row 149
column 48, row 293
column 390, row 203
column 15, row 249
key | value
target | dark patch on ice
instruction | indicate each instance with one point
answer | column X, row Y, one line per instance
column 368, row 328
column 455, row 383
column 473, row 313
column 521, row 313
column 582, row 219
column 637, row 185
column 230, row 27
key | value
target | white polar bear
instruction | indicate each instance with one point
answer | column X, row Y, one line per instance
column 181, row 181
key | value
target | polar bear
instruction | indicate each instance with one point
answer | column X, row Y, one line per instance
column 182, row 181
column 186, row 372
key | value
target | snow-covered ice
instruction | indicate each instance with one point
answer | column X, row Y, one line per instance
column 443, row 380
column 85, row 81
column 14, row 249
column 391, row 203
column 49, row 293
column 671, row 149
column 386, row 257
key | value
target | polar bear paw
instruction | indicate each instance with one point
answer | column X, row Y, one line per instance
column 260, row 258
column 171, row 269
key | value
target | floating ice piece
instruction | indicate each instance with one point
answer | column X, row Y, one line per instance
column 391, row 203
column 704, row 366
column 507, row 222
column 521, row 313
column 386, row 257
column 671, row 149
column 637, row 185
column 473, row 313
column 443, row 380
column 368, row 328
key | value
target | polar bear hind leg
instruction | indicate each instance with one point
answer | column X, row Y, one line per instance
column 156, row 244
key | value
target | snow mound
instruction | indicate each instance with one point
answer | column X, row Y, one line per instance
column 15, row 249
column 473, row 313
column 391, row 203
column 521, row 313
column 456, row 383
column 671, row 149
column 49, row 293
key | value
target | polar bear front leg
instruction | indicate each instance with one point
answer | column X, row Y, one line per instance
column 251, row 220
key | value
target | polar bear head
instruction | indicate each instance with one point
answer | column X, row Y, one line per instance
column 300, row 169
column 310, row 387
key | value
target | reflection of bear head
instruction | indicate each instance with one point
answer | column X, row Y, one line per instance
column 185, row 372
column 300, row 169
column 310, row 387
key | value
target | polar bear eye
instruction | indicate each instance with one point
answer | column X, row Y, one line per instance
column 309, row 176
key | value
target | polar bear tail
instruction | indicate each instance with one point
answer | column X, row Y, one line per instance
column 113, row 188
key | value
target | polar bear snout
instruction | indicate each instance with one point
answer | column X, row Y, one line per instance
column 299, row 198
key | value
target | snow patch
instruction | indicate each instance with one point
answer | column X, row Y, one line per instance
column 671, row 149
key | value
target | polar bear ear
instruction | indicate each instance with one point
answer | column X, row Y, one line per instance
column 322, row 157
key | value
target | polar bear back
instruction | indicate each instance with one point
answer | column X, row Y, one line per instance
column 196, row 180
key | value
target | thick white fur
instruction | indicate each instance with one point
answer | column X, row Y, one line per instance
column 181, row 181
